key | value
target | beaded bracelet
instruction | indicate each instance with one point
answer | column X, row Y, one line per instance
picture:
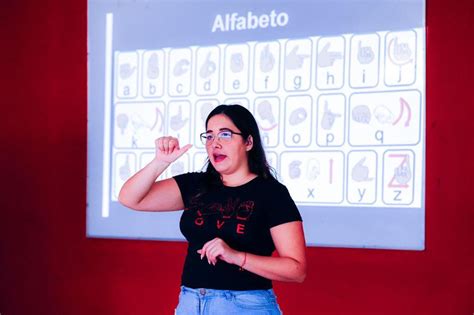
column 241, row 268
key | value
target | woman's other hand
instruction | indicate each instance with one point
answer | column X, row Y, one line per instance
column 217, row 249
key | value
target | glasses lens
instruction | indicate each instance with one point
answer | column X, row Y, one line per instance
column 203, row 138
column 225, row 135
column 206, row 138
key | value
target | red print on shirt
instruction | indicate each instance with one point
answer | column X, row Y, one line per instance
column 244, row 210
column 223, row 212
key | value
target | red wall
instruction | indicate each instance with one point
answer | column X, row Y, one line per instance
column 48, row 266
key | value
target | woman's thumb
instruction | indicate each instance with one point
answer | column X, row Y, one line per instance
column 184, row 149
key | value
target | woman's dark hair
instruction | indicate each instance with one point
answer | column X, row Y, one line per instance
column 245, row 122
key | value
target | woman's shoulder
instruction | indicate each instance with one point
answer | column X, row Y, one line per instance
column 273, row 184
column 190, row 177
column 190, row 182
column 191, row 174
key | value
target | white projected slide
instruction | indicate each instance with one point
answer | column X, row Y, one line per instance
column 341, row 108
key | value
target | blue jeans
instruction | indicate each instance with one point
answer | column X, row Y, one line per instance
column 228, row 302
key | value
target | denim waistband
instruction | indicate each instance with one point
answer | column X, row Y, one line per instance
column 227, row 293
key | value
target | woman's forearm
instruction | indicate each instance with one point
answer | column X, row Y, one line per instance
column 138, row 186
column 290, row 265
column 273, row 268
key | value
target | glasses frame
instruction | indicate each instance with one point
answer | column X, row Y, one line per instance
column 206, row 142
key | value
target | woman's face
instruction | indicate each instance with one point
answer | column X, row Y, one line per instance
column 227, row 156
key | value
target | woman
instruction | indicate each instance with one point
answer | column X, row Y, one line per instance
column 236, row 214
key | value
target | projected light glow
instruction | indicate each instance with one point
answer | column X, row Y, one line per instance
column 340, row 108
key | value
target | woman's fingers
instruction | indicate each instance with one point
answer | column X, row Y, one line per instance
column 168, row 148
column 212, row 250
column 162, row 144
column 173, row 144
column 166, row 142
column 214, row 253
column 159, row 144
column 203, row 250
column 206, row 247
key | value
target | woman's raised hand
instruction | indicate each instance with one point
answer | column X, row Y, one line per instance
column 168, row 149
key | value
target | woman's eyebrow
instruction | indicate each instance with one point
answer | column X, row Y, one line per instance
column 220, row 129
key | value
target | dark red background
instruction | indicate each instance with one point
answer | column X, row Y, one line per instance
column 48, row 266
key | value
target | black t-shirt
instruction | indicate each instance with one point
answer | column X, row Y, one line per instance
column 242, row 217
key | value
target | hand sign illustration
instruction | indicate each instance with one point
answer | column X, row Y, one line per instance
column 177, row 121
column 181, row 67
column 236, row 63
column 294, row 60
column 402, row 173
column 328, row 117
column 126, row 70
column 327, row 58
column 267, row 60
column 399, row 54
column 208, row 67
column 298, row 116
column 122, row 122
column 124, row 169
column 153, row 69
column 365, row 54
column 360, row 172
column 265, row 112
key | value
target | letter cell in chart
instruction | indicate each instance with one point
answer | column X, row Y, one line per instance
column 298, row 65
column 208, row 69
column 267, row 113
column 330, row 63
column 126, row 74
column 236, row 69
column 137, row 125
column 266, row 67
column 400, row 58
column 331, row 120
column 298, row 120
column 179, row 72
column 153, row 73
column 314, row 176
column 385, row 118
column 362, row 177
column 364, row 61
column 398, row 177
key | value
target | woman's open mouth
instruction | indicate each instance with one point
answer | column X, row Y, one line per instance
column 219, row 157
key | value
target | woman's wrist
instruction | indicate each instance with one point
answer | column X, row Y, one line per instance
column 159, row 166
column 243, row 261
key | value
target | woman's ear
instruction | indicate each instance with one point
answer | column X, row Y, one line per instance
column 249, row 143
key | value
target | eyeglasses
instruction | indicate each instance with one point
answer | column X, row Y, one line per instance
column 224, row 136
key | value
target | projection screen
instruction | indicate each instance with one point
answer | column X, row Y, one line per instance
column 337, row 88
